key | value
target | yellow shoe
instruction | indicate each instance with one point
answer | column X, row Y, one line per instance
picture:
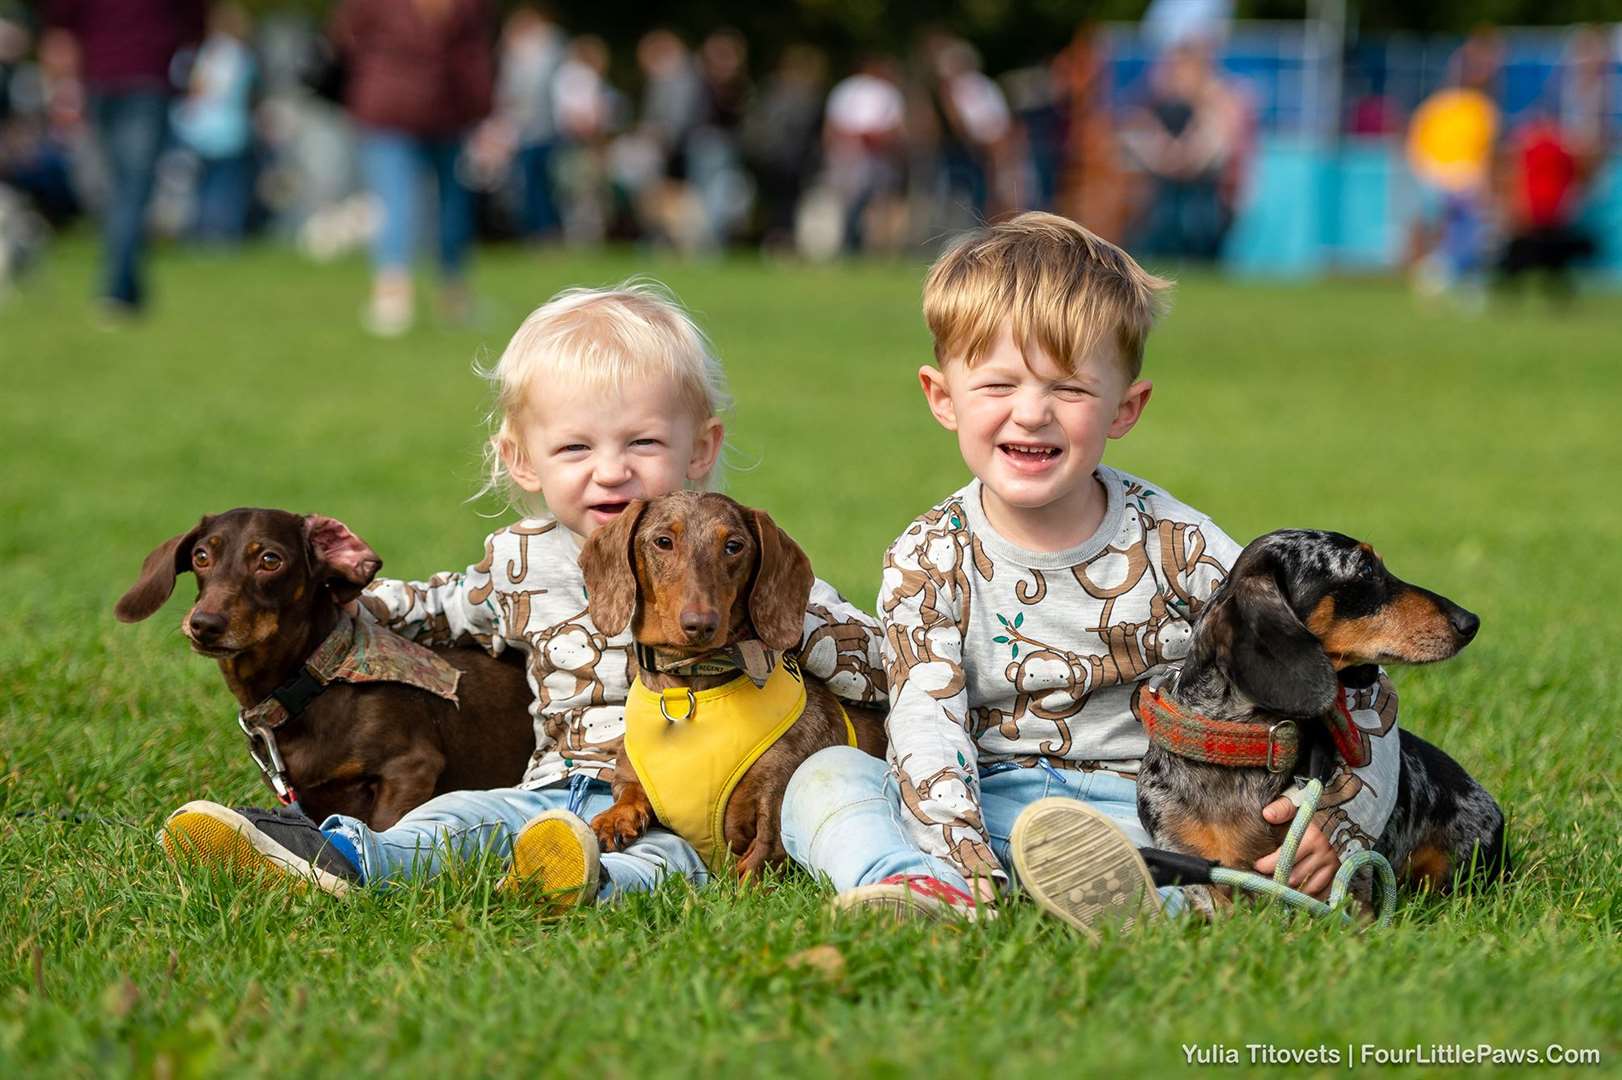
column 555, row 859
column 257, row 842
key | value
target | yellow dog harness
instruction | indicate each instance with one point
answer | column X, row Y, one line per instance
column 690, row 748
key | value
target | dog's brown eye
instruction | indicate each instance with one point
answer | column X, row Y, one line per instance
column 664, row 543
column 733, row 547
column 270, row 561
column 199, row 559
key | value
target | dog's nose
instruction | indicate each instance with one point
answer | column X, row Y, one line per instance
column 699, row 622
column 1465, row 623
column 206, row 625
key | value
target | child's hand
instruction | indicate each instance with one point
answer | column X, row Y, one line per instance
column 1315, row 861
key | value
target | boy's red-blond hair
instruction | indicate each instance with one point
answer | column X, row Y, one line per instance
column 1057, row 285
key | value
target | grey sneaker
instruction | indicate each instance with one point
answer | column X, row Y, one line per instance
column 1078, row 865
column 256, row 841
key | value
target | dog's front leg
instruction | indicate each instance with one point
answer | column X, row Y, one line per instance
column 766, row 847
column 631, row 813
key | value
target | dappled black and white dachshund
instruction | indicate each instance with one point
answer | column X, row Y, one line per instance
column 1301, row 615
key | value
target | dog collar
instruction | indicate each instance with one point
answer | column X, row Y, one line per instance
column 751, row 657
column 1233, row 743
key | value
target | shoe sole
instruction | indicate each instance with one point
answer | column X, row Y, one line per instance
column 901, row 906
column 1077, row 864
column 556, row 852
column 216, row 836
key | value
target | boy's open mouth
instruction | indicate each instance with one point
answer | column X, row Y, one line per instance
column 609, row 509
column 1028, row 453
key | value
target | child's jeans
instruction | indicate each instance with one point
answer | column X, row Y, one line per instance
column 465, row 824
column 842, row 817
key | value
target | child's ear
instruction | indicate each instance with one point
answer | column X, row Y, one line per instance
column 1130, row 410
column 518, row 464
column 706, row 449
column 939, row 396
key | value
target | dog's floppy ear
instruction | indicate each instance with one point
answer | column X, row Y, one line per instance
column 782, row 587
column 157, row 579
column 609, row 568
column 342, row 560
column 1272, row 657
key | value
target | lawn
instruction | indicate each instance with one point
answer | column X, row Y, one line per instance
column 1474, row 453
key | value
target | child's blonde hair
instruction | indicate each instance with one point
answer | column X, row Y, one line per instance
column 604, row 340
column 1060, row 286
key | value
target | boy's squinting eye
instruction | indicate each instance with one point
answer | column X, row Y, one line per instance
column 200, row 559
column 270, row 561
column 664, row 543
column 572, row 448
column 646, row 442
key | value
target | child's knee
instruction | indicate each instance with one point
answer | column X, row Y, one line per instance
column 828, row 780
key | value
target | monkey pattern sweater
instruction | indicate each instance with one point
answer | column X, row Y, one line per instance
column 996, row 654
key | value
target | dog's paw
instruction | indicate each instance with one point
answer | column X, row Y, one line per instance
column 620, row 824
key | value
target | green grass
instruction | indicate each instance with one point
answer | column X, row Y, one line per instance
column 1475, row 454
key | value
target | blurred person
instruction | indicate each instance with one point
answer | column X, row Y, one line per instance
column 1037, row 143
column 864, row 132
column 532, row 50
column 587, row 111
column 651, row 162
column 971, row 124
column 714, row 152
column 782, row 135
column 1451, row 144
column 1092, row 186
column 122, row 51
column 1189, row 137
column 1545, row 191
column 419, row 78
column 215, row 121
column 1585, row 97
column 35, row 156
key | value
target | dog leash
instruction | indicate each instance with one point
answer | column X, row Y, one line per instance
column 1278, row 886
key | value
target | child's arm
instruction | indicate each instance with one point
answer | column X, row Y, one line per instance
column 931, row 751
column 841, row 647
column 447, row 609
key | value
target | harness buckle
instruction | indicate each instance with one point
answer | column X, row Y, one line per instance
column 692, row 705
column 1273, row 764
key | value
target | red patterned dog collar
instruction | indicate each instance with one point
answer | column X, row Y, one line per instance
column 1273, row 747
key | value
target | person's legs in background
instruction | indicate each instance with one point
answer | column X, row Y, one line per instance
column 455, row 228
column 130, row 126
column 224, row 195
column 391, row 165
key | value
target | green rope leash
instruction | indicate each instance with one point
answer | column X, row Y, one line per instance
column 1278, row 886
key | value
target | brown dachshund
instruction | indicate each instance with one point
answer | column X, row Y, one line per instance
column 1303, row 615
column 271, row 590
column 694, row 575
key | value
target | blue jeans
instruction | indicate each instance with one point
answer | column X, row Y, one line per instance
column 467, row 824
column 394, row 163
column 533, row 164
column 224, row 198
column 842, row 817
column 130, row 126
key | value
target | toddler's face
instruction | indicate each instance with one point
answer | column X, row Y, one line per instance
column 588, row 453
column 1030, row 432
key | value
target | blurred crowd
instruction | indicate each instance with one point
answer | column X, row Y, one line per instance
column 205, row 125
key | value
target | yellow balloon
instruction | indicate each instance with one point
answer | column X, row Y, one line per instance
column 1450, row 138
